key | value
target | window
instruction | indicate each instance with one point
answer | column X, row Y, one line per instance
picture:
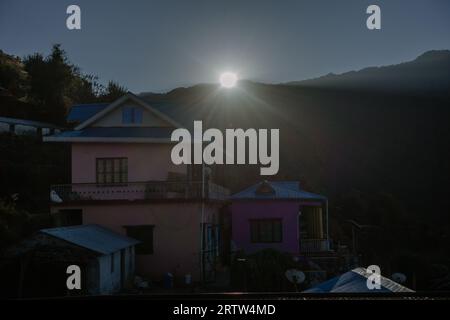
column 143, row 233
column 266, row 230
column 70, row 217
column 112, row 170
column 132, row 115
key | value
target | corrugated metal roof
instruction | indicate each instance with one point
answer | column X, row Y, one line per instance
column 82, row 112
column 93, row 237
column 281, row 190
column 356, row 281
column 31, row 123
column 118, row 132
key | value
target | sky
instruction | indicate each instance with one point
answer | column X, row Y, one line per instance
column 160, row 45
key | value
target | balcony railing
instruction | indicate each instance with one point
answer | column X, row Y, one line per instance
column 138, row 191
column 313, row 245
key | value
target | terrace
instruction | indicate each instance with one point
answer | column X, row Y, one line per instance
column 134, row 191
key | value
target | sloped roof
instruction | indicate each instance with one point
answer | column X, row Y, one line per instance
column 118, row 132
column 355, row 281
column 82, row 112
column 31, row 123
column 127, row 97
column 92, row 237
column 281, row 190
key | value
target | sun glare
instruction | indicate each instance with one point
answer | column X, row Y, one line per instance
column 228, row 79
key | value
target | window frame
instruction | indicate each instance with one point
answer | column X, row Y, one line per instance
column 138, row 249
column 122, row 172
column 258, row 238
column 135, row 115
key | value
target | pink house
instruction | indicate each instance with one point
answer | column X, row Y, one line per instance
column 282, row 216
column 123, row 179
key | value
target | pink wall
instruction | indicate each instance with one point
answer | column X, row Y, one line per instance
column 145, row 161
column 176, row 237
column 243, row 211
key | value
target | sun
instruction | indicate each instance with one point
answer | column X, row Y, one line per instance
column 228, row 79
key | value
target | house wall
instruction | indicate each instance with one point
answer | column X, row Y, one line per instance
column 93, row 277
column 145, row 161
column 176, row 233
column 129, row 263
column 100, row 278
column 243, row 211
column 109, row 281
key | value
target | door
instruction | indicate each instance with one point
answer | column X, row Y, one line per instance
column 123, row 271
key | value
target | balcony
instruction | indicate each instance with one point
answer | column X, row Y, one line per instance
column 309, row 246
column 131, row 191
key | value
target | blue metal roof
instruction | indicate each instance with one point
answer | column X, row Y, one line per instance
column 118, row 132
column 281, row 190
column 356, row 281
column 31, row 123
column 82, row 112
column 93, row 237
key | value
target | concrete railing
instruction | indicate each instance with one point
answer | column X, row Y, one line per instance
column 137, row 191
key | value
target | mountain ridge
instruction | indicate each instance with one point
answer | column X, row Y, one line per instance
column 427, row 73
column 339, row 138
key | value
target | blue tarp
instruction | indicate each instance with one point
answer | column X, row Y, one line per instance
column 355, row 281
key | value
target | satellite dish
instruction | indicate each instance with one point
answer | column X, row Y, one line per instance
column 398, row 277
column 54, row 197
column 295, row 276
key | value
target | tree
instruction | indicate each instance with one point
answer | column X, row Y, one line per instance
column 12, row 76
column 55, row 84
column 50, row 81
column 112, row 92
column 14, row 224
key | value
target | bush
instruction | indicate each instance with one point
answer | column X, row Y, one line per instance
column 263, row 271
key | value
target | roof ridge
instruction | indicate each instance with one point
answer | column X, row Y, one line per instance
column 89, row 104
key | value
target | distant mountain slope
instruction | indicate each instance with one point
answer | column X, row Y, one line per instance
column 349, row 136
column 427, row 74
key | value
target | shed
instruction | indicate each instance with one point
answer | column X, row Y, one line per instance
column 106, row 260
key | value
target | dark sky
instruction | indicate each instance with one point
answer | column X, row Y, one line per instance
column 159, row 45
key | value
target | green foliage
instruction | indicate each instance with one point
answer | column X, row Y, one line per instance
column 12, row 76
column 50, row 80
column 52, row 84
column 28, row 166
column 112, row 92
column 14, row 223
column 263, row 271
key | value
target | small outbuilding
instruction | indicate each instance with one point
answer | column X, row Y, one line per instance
column 38, row 266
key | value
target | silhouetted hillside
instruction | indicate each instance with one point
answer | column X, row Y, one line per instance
column 341, row 139
column 427, row 74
